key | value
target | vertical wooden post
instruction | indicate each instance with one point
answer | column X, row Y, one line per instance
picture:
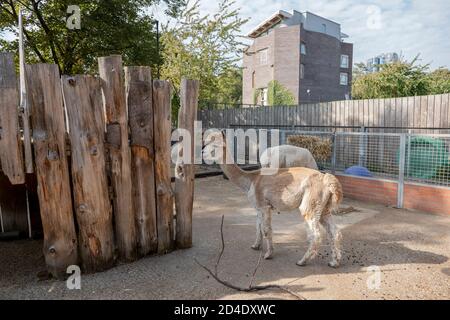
column 111, row 73
column 84, row 104
column 10, row 145
column 60, row 241
column 24, row 106
column 164, row 193
column 184, row 185
column 140, row 113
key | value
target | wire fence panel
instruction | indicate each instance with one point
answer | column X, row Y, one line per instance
column 428, row 159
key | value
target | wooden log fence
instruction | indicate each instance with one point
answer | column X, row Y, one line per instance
column 102, row 159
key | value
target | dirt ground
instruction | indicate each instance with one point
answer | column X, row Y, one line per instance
column 411, row 250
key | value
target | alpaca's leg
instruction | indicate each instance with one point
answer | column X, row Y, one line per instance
column 258, row 242
column 267, row 231
column 314, row 243
column 334, row 238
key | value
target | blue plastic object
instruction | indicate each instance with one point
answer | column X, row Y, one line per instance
column 358, row 171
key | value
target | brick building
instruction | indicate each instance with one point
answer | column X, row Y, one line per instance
column 303, row 52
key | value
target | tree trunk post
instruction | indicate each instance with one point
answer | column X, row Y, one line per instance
column 162, row 137
column 84, row 104
column 140, row 113
column 47, row 113
column 184, row 185
column 111, row 74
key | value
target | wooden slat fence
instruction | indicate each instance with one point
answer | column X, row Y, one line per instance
column 425, row 112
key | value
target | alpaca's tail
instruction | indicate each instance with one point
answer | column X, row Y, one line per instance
column 335, row 188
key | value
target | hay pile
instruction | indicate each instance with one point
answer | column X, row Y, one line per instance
column 321, row 148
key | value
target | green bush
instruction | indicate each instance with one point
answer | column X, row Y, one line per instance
column 278, row 95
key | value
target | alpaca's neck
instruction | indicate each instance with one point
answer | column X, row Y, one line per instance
column 236, row 175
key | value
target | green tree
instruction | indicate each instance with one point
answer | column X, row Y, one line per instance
column 398, row 79
column 278, row 95
column 107, row 27
column 439, row 81
column 206, row 48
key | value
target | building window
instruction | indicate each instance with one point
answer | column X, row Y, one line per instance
column 303, row 48
column 344, row 79
column 324, row 28
column 253, row 79
column 344, row 61
column 302, row 71
column 264, row 57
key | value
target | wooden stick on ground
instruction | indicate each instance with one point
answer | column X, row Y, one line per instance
column 250, row 287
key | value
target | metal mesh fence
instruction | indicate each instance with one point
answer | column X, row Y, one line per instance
column 418, row 158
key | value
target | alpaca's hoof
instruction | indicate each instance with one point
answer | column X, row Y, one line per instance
column 301, row 263
column 268, row 256
column 256, row 247
column 333, row 264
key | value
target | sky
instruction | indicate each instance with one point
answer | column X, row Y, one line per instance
column 408, row 27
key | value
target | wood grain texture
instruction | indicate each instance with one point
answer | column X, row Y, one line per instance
column 184, row 184
column 11, row 157
column 140, row 113
column 60, row 240
column 84, row 105
column 111, row 74
column 164, row 193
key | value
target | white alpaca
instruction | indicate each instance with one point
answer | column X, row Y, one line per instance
column 315, row 195
column 288, row 156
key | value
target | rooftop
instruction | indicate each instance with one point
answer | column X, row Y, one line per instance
column 292, row 18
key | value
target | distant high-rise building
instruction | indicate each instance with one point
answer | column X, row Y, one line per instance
column 373, row 64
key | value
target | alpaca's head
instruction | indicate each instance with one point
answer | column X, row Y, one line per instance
column 214, row 147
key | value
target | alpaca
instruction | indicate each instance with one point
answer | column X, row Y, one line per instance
column 288, row 157
column 314, row 194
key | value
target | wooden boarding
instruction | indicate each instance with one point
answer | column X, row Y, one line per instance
column 140, row 113
column 421, row 112
column 60, row 239
column 111, row 73
column 84, row 105
column 11, row 157
column 162, row 137
column 184, row 185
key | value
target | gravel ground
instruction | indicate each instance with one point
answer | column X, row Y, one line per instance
column 410, row 248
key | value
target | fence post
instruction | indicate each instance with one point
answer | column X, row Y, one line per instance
column 362, row 147
column 111, row 74
column 184, row 187
column 52, row 171
column 11, row 159
column 333, row 156
column 138, row 82
column 401, row 171
column 162, row 137
column 83, row 98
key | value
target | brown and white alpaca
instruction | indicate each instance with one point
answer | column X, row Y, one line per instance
column 314, row 194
